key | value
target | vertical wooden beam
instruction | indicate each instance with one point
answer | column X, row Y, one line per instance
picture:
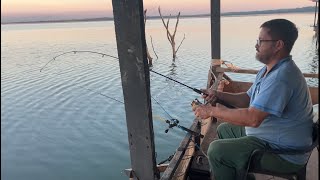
column 211, row 125
column 131, row 44
column 215, row 29
column 315, row 14
column 215, row 38
column 213, row 76
column 215, row 42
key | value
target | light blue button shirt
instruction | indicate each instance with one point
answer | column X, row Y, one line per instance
column 284, row 94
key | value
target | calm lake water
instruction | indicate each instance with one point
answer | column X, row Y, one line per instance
column 58, row 125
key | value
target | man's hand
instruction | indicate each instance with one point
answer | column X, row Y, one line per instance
column 209, row 95
column 203, row 111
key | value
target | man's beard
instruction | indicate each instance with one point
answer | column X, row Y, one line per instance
column 263, row 59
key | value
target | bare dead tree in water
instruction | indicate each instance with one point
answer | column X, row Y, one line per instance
column 171, row 36
column 148, row 54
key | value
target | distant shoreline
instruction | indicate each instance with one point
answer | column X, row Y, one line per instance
column 277, row 11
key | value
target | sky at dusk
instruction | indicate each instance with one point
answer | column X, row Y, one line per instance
column 17, row 10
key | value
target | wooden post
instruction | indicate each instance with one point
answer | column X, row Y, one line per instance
column 215, row 29
column 131, row 44
column 215, row 38
column 209, row 129
column 213, row 78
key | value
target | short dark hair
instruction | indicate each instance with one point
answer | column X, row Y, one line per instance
column 282, row 29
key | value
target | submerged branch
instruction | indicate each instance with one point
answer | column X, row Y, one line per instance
column 153, row 47
column 148, row 54
column 184, row 37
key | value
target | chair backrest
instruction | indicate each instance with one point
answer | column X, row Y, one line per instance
column 301, row 173
column 315, row 135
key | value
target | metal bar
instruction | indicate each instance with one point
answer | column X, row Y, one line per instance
column 131, row 44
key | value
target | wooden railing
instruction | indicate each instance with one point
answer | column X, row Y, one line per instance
column 253, row 71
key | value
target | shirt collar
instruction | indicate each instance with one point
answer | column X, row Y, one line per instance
column 276, row 66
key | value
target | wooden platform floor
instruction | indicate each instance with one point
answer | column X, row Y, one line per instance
column 312, row 169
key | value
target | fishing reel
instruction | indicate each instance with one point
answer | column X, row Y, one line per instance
column 175, row 123
column 172, row 123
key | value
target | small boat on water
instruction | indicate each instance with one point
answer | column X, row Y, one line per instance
column 189, row 161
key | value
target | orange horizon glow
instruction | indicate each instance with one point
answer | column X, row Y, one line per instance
column 102, row 8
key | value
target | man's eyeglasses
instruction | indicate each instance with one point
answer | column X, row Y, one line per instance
column 259, row 41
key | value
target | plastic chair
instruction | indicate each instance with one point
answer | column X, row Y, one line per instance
column 296, row 175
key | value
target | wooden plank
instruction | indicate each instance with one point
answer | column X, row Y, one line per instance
column 237, row 86
column 209, row 129
column 253, row 71
column 245, row 71
column 160, row 167
column 130, row 36
column 170, row 172
column 182, row 170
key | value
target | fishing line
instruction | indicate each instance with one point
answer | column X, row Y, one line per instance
column 172, row 121
column 157, row 117
column 101, row 94
column 154, row 116
column 162, row 107
column 103, row 54
column 93, row 52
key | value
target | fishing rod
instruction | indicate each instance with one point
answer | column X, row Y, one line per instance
column 194, row 89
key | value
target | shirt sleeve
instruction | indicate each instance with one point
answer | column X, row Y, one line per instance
column 272, row 97
column 249, row 92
